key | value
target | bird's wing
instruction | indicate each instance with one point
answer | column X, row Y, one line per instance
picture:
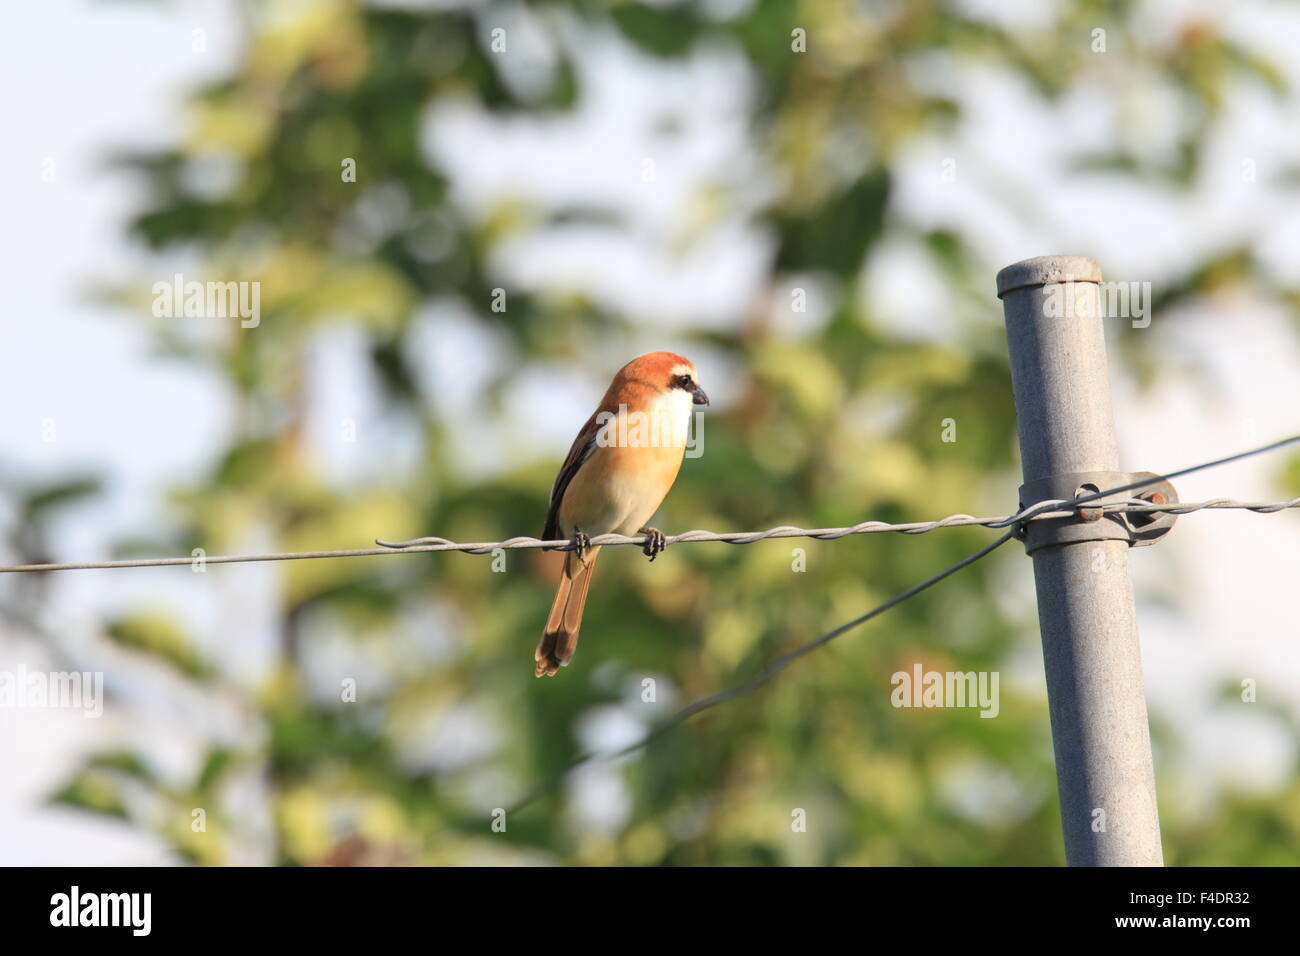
column 583, row 446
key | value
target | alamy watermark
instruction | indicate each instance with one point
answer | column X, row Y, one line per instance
column 208, row 300
column 73, row 690
column 661, row 428
column 946, row 689
column 132, row 911
column 1118, row 300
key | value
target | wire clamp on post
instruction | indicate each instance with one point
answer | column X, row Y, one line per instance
column 1092, row 522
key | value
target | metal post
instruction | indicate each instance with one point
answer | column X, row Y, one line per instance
column 1085, row 598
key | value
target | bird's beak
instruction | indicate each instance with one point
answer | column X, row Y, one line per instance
column 699, row 398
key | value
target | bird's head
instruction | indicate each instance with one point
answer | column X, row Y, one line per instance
column 667, row 371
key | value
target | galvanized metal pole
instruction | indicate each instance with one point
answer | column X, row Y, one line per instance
column 1085, row 598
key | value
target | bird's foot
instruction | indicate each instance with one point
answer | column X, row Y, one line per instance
column 655, row 542
column 581, row 544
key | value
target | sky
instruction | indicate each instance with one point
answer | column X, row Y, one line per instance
column 85, row 394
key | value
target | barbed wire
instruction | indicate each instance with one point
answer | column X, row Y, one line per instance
column 1040, row 511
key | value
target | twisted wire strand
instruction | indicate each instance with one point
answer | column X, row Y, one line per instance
column 1043, row 510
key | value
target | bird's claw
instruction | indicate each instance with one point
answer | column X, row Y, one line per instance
column 655, row 542
column 581, row 544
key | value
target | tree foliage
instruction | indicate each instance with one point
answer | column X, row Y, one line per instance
column 824, row 426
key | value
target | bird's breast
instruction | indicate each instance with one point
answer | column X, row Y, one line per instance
column 635, row 462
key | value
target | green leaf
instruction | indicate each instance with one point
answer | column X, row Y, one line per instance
column 160, row 637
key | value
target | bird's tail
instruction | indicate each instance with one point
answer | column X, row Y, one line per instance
column 560, row 637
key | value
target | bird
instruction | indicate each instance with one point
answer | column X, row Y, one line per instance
column 617, row 473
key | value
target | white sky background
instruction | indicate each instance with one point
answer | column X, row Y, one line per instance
column 82, row 78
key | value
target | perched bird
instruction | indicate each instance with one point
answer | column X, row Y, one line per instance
column 617, row 474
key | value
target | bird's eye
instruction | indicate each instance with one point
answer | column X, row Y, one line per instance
column 682, row 381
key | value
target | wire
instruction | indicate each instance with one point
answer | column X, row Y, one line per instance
column 1043, row 510
column 1028, row 514
column 762, row 677
column 1040, row 511
column 1271, row 446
